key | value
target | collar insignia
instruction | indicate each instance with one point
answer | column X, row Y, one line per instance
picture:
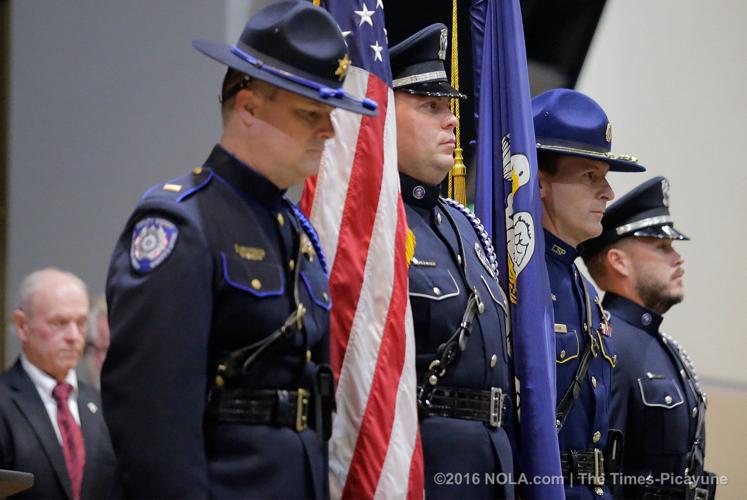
column 557, row 249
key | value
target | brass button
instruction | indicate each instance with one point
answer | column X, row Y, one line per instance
column 256, row 284
column 281, row 219
column 436, row 290
column 438, row 218
column 668, row 399
column 197, row 171
column 562, row 354
column 326, row 297
column 593, row 381
column 308, row 356
column 291, row 265
column 695, row 411
column 459, row 259
column 596, row 437
column 599, row 491
column 493, row 360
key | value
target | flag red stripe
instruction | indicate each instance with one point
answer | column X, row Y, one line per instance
column 307, row 196
column 416, row 484
column 376, row 426
column 356, row 225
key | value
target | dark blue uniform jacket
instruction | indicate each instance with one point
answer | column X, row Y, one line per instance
column 654, row 401
column 587, row 423
column 438, row 293
column 227, row 283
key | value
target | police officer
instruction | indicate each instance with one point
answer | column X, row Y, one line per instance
column 574, row 139
column 215, row 385
column 464, row 370
column 656, row 398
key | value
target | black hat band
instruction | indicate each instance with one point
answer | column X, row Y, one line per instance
column 640, row 224
column 325, row 92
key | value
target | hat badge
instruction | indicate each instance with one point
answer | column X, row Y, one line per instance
column 342, row 67
column 665, row 193
column 608, row 133
column 442, row 44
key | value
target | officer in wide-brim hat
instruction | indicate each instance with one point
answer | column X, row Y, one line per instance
column 574, row 152
column 216, row 384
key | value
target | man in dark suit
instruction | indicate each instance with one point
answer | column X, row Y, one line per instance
column 50, row 423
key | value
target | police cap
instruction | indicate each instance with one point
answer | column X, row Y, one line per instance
column 642, row 212
column 418, row 63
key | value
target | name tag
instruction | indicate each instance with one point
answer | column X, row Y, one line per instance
column 561, row 328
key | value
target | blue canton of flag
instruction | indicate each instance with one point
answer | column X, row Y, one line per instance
column 362, row 26
column 508, row 202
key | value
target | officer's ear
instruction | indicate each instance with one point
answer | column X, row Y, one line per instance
column 619, row 262
column 247, row 102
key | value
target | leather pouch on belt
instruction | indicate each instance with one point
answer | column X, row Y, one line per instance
column 324, row 401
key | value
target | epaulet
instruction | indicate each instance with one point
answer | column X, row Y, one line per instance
column 181, row 188
column 487, row 245
column 310, row 232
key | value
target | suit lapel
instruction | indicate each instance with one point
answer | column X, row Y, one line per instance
column 31, row 406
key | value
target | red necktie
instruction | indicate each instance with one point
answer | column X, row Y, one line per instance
column 72, row 438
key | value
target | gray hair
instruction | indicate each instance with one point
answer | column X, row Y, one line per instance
column 34, row 281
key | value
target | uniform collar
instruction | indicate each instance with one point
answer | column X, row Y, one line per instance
column 632, row 313
column 243, row 178
column 417, row 193
column 559, row 250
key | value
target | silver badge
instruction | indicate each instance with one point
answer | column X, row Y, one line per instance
column 665, row 193
column 443, row 42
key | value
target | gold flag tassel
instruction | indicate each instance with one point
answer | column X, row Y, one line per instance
column 458, row 173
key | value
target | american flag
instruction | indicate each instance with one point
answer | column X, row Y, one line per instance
column 355, row 206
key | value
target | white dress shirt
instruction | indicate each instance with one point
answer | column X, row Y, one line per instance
column 45, row 385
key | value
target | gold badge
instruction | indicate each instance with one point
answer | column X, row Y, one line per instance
column 608, row 133
column 561, row 328
column 249, row 253
column 342, row 67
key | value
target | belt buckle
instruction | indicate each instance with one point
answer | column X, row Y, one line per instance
column 598, row 467
column 302, row 409
column 496, row 407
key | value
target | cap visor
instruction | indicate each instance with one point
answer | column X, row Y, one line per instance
column 616, row 164
column 222, row 53
column 662, row 232
column 437, row 88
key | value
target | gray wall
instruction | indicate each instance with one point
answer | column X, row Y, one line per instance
column 107, row 98
column 672, row 76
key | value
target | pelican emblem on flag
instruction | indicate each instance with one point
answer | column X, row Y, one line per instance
column 519, row 225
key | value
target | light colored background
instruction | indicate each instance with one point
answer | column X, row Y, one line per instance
column 672, row 76
column 108, row 98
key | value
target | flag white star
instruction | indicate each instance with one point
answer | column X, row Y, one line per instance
column 345, row 33
column 380, row 3
column 377, row 51
column 365, row 15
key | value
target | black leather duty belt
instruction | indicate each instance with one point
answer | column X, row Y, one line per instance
column 583, row 467
column 262, row 407
column 485, row 406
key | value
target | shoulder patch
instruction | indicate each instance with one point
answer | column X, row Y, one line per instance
column 153, row 239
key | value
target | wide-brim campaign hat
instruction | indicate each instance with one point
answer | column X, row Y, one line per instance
column 418, row 64
column 570, row 123
column 296, row 46
column 643, row 212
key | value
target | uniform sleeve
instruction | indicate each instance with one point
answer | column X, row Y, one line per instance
column 154, row 377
